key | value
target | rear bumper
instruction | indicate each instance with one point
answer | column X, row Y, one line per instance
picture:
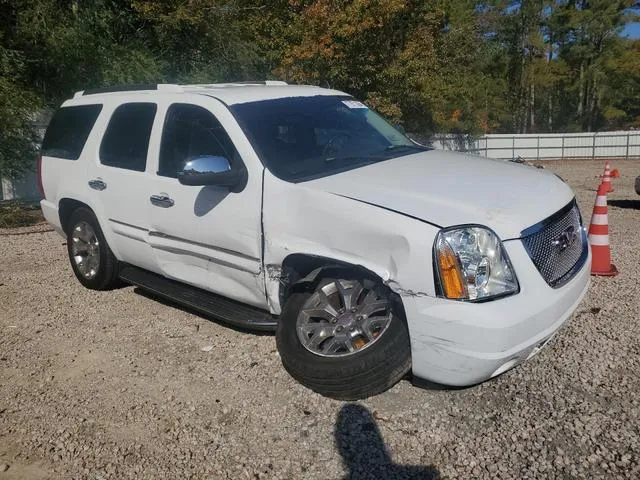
column 52, row 216
column 460, row 344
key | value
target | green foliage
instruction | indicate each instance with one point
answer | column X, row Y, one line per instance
column 18, row 140
column 13, row 214
column 462, row 66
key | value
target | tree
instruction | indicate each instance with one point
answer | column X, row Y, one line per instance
column 18, row 138
column 621, row 88
column 466, row 66
column 587, row 31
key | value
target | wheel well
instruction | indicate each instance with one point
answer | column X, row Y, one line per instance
column 303, row 271
column 65, row 208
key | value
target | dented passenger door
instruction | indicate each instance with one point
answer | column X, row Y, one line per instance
column 207, row 236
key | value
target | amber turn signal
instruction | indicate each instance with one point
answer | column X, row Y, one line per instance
column 453, row 285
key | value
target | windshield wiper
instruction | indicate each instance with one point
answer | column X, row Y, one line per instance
column 352, row 158
column 393, row 148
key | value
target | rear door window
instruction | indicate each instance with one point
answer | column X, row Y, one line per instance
column 68, row 131
column 126, row 141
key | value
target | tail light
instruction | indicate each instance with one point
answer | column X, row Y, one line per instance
column 39, row 176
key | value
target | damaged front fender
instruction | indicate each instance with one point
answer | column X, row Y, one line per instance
column 341, row 232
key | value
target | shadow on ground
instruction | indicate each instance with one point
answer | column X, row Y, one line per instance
column 185, row 308
column 363, row 452
column 631, row 204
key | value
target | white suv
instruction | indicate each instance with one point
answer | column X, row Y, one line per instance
column 298, row 209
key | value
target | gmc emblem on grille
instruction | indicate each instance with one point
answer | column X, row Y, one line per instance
column 565, row 239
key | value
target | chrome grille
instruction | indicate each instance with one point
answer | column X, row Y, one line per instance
column 557, row 245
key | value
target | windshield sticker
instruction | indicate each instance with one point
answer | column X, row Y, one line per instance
column 354, row 104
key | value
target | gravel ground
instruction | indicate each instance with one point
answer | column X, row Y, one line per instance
column 117, row 385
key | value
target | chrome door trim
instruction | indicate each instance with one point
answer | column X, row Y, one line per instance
column 128, row 225
column 183, row 251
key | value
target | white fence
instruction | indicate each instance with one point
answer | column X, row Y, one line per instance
column 23, row 188
column 621, row 144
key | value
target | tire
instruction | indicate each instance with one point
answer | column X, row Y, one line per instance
column 106, row 271
column 352, row 376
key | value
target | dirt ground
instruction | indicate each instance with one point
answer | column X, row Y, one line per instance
column 120, row 385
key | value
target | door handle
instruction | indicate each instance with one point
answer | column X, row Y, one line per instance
column 97, row 184
column 162, row 200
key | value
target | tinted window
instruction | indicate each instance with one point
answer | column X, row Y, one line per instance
column 299, row 138
column 68, row 131
column 126, row 140
column 191, row 131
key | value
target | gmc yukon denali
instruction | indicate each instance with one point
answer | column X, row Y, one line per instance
column 297, row 209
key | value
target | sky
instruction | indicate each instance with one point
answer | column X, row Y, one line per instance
column 632, row 30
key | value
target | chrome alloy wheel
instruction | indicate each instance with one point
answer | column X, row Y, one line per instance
column 85, row 249
column 342, row 318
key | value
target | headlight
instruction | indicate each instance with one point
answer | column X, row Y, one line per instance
column 471, row 264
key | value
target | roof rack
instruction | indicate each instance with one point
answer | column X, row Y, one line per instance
column 170, row 87
column 235, row 84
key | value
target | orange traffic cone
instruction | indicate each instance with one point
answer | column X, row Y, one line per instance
column 606, row 177
column 599, row 236
column 615, row 173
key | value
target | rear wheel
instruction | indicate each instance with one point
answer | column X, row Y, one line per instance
column 92, row 261
column 347, row 339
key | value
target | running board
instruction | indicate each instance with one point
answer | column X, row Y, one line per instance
column 229, row 311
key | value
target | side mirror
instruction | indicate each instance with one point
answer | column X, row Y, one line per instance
column 209, row 170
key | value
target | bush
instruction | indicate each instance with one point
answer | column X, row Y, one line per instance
column 14, row 214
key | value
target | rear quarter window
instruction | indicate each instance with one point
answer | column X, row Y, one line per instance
column 68, row 131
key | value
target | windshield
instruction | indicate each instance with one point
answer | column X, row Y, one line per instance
column 301, row 138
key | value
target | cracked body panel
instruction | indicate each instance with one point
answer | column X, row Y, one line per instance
column 452, row 342
column 300, row 220
column 307, row 221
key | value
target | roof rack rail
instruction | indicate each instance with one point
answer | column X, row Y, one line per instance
column 231, row 84
column 170, row 87
column 167, row 87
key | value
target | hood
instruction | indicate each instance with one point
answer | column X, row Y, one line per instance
column 449, row 188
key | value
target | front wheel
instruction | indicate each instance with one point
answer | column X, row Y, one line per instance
column 347, row 339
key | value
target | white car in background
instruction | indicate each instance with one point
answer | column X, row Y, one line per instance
column 299, row 209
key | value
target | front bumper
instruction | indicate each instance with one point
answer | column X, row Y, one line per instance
column 463, row 343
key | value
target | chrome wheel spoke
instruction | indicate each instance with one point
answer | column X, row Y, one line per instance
column 332, row 346
column 350, row 346
column 80, row 247
column 338, row 320
column 319, row 336
column 310, row 329
column 349, row 295
column 325, row 303
column 80, row 262
column 92, row 264
column 372, row 304
column 320, row 312
column 85, row 250
column 82, row 231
